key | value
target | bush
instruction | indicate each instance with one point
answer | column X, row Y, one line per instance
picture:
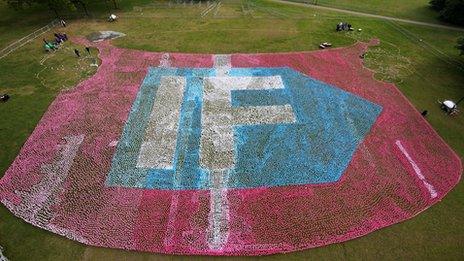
column 453, row 12
column 437, row 5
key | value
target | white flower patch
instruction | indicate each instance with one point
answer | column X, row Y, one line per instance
column 217, row 138
column 36, row 203
column 165, row 61
column 222, row 64
column 158, row 148
column 104, row 35
column 218, row 116
column 417, row 170
column 219, row 210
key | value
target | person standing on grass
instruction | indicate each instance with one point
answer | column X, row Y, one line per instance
column 77, row 53
column 63, row 23
column 87, row 49
column 60, row 37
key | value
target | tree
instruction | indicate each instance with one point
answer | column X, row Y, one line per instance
column 58, row 5
column 81, row 3
column 53, row 5
column 437, row 5
column 453, row 12
column 115, row 4
column 450, row 10
column 460, row 45
column 18, row 4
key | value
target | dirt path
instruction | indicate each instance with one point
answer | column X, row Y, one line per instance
column 371, row 15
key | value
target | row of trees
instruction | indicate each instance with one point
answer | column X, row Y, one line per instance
column 451, row 11
column 57, row 6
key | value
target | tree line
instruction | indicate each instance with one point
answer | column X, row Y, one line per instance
column 451, row 11
column 57, row 6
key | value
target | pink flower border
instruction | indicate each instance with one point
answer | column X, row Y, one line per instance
column 379, row 188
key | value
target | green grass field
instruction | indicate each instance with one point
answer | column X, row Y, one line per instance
column 424, row 71
column 411, row 9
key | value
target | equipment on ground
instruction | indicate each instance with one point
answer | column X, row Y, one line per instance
column 112, row 18
column 325, row 45
column 5, row 97
column 344, row 26
column 449, row 107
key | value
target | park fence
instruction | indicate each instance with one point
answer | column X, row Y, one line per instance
column 28, row 38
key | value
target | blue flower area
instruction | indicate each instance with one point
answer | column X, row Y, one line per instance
column 317, row 148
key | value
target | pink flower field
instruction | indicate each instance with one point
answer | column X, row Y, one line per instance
column 59, row 181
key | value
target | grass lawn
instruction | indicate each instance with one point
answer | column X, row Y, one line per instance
column 424, row 71
column 411, row 9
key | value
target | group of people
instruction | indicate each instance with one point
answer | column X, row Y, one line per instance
column 59, row 39
column 344, row 26
column 78, row 54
